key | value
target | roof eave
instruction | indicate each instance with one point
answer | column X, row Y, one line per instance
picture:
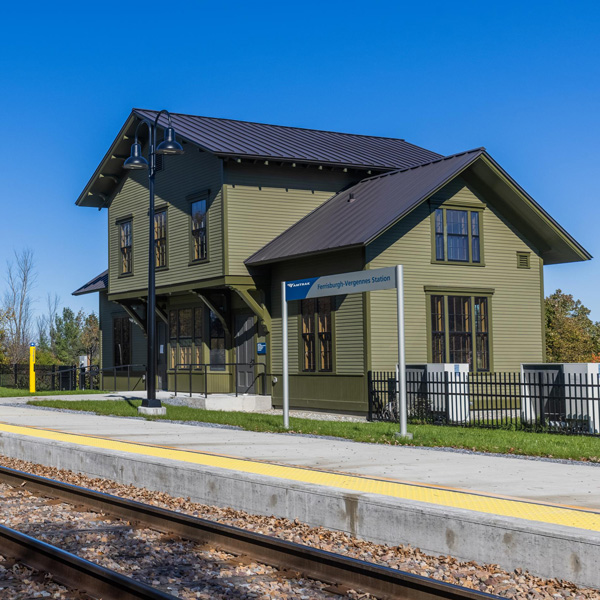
column 271, row 261
column 573, row 251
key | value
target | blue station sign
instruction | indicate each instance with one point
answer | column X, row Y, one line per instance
column 343, row 283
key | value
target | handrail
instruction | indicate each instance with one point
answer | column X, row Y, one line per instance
column 128, row 367
column 190, row 366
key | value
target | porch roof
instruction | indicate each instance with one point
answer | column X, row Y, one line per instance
column 99, row 283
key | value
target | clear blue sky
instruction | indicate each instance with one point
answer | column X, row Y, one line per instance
column 521, row 79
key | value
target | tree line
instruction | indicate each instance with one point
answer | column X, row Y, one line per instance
column 60, row 336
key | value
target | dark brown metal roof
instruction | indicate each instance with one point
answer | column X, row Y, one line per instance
column 97, row 284
column 357, row 215
column 226, row 137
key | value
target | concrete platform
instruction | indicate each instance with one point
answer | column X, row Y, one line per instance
column 539, row 515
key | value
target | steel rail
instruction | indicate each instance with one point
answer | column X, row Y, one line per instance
column 73, row 571
column 382, row 582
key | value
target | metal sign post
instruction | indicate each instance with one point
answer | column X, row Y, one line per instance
column 342, row 284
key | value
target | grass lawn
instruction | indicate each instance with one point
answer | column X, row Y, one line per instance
column 483, row 440
column 19, row 393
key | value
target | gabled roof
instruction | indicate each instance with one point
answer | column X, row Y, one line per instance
column 359, row 214
column 256, row 141
column 97, row 284
column 227, row 137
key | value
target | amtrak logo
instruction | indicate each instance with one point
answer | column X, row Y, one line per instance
column 292, row 284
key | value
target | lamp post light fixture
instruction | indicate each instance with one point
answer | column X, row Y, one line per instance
column 136, row 161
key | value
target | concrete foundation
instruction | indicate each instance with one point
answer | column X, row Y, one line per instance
column 229, row 402
column 152, row 411
column 546, row 550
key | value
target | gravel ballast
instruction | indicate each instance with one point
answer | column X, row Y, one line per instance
column 488, row 578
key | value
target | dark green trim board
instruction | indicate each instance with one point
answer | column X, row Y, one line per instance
column 225, row 219
column 218, row 282
column 458, row 290
column 543, row 310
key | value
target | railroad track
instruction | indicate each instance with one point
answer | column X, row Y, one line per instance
column 72, row 571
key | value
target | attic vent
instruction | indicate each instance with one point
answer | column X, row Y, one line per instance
column 523, row 260
column 160, row 162
column 351, row 197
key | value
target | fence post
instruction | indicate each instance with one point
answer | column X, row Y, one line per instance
column 447, row 395
column 205, row 382
column 190, row 380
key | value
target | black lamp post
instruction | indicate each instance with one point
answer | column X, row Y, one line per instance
column 136, row 161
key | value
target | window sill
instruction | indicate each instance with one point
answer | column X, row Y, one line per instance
column 159, row 269
column 201, row 261
column 317, row 373
column 124, row 275
column 458, row 263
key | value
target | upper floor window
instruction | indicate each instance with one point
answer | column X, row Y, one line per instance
column 125, row 243
column 457, row 235
column 316, row 332
column 198, row 231
column 160, row 238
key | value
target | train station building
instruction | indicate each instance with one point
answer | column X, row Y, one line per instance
column 250, row 205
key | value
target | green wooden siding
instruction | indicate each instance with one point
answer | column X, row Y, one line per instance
column 183, row 175
column 344, row 389
column 515, row 304
column 263, row 201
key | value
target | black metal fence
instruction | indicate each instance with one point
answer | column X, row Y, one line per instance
column 50, row 377
column 533, row 401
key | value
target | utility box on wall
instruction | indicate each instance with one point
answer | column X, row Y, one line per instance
column 562, row 396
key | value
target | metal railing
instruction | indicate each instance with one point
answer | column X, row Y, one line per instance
column 533, row 401
column 137, row 370
column 66, row 377
column 193, row 368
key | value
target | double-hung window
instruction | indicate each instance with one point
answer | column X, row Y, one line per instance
column 198, row 229
column 316, row 335
column 457, row 235
column 126, row 247
column 160, row 239
column 460, row 327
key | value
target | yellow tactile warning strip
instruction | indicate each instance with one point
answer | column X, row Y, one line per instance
column 553, row 514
